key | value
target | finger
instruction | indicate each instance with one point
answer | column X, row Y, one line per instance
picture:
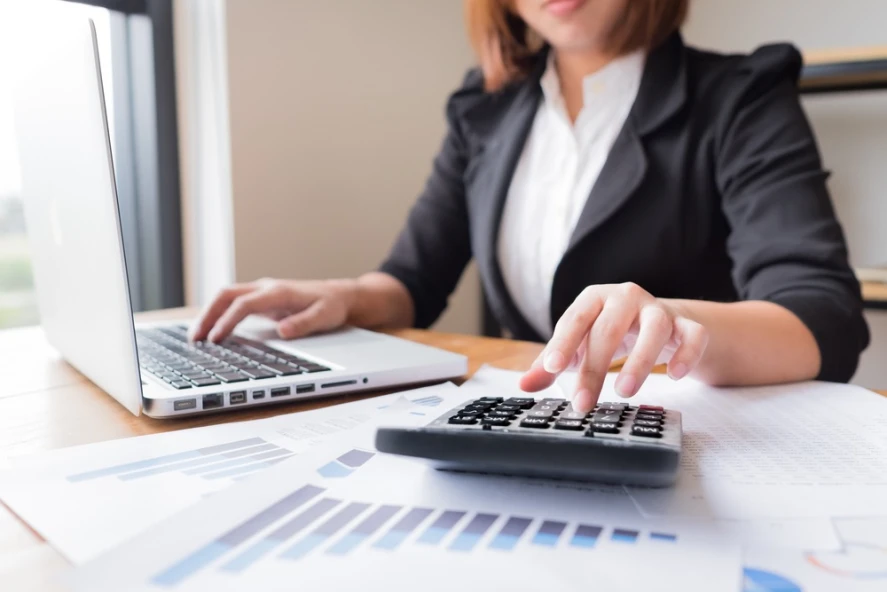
column 656, row 327
column 604, row 338
column 245, row 305
column 216, row 308
column 311, row 320
column 693, row 339
column 536, row 378
column 571, row 330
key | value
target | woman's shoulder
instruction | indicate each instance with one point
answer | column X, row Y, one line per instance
column 737, row 76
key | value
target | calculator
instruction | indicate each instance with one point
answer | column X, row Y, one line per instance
column 615, row 443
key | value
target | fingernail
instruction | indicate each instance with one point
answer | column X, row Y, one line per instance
column 213, row 336
column 626, row 384
column 554, row 362
column 580, row 401
column 677, row 371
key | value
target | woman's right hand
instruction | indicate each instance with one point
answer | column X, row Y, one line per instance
column 299, row 307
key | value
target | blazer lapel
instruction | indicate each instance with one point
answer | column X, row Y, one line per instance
column 662, row 94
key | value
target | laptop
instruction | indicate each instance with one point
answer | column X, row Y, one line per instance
column 74, row 231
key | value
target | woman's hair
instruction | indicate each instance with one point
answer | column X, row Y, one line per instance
column 506, row 46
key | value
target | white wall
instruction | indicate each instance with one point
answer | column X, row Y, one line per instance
column 336, row 111
column 851, row 128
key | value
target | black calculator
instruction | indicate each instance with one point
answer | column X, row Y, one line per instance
column 615, row 443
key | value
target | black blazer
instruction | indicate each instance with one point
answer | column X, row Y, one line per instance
column 713, row 190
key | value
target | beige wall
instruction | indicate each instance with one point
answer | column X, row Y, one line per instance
column 336, row 111
column 851, row 128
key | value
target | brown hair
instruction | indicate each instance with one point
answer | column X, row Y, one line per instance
column 506, row 46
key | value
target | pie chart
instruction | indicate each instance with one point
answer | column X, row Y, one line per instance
column 757, row 580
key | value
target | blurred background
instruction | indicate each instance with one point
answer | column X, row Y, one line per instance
column 289, row 138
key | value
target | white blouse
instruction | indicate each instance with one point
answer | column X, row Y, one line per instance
column 557, row 169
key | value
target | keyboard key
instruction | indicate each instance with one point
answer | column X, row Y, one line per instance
column 462, row 420
column 606, row 417
column 205, row 381
column 478, row 407
column 646, row 432
column 569, row 414
column 311, row 368
column 180, row 384
column 556, row 402
column 471, row 412
column 540, row 414
column 499, row 422
column 257, row 373
column 534, row 422
column 541, row 407
column 605, row 427
column 282, row 369
column 642, row 408
column 500, row 413
column 494, row 400
column 650, row 423
column 616, row 406
column 231, row 377
column 568, row 424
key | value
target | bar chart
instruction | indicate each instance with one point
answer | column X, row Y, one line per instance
column 229, row 460
column 345, row 464
column 309, row 522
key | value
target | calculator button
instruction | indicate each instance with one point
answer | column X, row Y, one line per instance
column 568, row 424
column 605, row 427
column 569, row 414
column 511, row 408
column 616, row 406
column 557, row 402
column 492, row 400
column 522, row 402
column 642, row 408
column 462, row 420
column 541, row 413
column 498, row 413
column 648, row 416
column 470, row 412
column 645, row 432
column 606, row 417
column 650, row 423
column 499, row 422
column 541, row 407
column 534, row 422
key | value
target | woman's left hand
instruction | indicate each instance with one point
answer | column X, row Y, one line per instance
column 607, row 322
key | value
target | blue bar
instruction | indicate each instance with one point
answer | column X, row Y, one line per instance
column 585, row 536
column 621, row 535
column 402, row 529
column 549, row 533
column 326, row 530
column 440, row 527
column 661, row 536
column 270, row 515
column 364, row 530
column 510, row 534
column 236, row 471
column 190, row 564
column 160, row 460
column 473, row 532
column 355, row 458
column 430, row 401
column 237, row 462
column 334, row 470
column 201, row 461
column 278, row 536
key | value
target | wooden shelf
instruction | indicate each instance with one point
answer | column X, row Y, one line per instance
column 843, row 70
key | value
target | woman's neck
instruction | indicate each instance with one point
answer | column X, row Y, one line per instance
column 572, row 68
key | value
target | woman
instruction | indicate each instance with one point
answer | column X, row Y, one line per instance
column 621, row 192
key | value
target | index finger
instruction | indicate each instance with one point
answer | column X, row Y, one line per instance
column 570, row 331
column 210, row 316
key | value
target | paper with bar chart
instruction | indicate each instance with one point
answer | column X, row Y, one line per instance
column 342, row 509
column 66, row 495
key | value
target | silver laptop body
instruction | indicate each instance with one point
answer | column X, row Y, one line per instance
column 74, row 231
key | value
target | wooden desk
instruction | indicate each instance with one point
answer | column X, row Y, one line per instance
column 45, row 404
column 843, row 70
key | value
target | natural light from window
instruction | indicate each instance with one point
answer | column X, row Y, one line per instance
column 18, row 305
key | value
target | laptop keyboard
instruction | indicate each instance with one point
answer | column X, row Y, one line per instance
column 166, row 353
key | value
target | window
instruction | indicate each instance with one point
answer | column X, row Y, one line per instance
column 135, row 51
